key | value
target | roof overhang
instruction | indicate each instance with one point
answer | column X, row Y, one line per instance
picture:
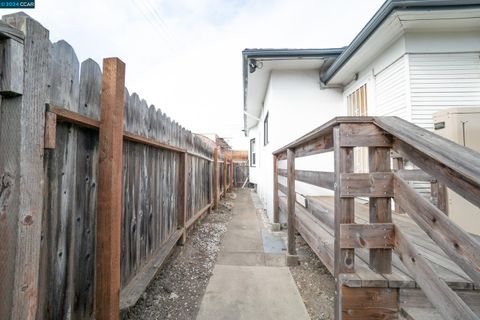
column 393, row 19
column 258, row 65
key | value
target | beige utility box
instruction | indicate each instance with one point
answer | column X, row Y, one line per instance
column 461, row 125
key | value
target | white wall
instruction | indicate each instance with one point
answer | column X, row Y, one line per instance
column 296, row 104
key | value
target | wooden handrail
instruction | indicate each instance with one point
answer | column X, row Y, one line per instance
column 323, row 130
column 437, row 291
column 456, row 166
column 456, row 242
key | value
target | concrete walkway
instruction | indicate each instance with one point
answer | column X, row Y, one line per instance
column 250, row 280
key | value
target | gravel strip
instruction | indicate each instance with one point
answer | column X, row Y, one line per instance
column 315, row 283
column 178, row 289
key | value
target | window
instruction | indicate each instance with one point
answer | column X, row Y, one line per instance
column 252, row 153
column 357, row 102
column 357, row 106
column 265, row 130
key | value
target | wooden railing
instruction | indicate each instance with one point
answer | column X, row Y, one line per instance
column 441, row 162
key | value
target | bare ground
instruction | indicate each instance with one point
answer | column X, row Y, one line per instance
column 178, row 289
column 315, row 283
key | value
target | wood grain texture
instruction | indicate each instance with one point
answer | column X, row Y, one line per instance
column 50, row 130
column 380, row 205
column 316, row 146
column 52, row 233
column 291, row 200
column 414, row 175
column 450, row 163
column 317, row 178
column 344, row 207
column 21, row 193
column 369, row 303
column 182, row 198
column 344, row 259
column 107, row 287
column 437, row 291
column 11, row 60
column 373, row 185
column 321, row 131
column 276, row 209
column 59, row 250
column 364, row 135
column 371, row 236
column 456, row 242
column 215, row 178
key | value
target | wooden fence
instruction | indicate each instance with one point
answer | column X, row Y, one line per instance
column 96, row 186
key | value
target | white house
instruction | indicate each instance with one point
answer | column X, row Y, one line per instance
column 413, row 58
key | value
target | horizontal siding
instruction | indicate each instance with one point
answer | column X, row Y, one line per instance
column 441, row 81
column 391, row 90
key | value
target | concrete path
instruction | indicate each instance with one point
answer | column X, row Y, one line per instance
column 250, row 280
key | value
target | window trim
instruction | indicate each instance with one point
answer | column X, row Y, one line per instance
column 253, row 153
column 265, row 130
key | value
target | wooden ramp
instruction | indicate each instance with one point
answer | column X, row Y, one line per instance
column 387, row 265
column 315, row 223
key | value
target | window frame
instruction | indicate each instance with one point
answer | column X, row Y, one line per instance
column 253, row 153
column 265, row 130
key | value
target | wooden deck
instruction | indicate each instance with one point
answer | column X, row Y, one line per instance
column 315, row 225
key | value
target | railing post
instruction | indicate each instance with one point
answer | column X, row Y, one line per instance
column 380, row 209
column 344, row 207
column 344, row 212
column 292, row 258
column 215, row 177
column 182, row 186
column 276, row 208
column 397, row 165
column 109, row 214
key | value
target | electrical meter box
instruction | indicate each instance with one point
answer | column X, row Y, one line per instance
column 461, row 125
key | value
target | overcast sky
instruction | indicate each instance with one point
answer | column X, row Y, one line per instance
column 184, row 56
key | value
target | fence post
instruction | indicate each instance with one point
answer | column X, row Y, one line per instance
column 225, row 175
column 344, row 212
column 380, row 209
column 182, row 216
column 231, row 172
column 21, row 170
column 109, row 214
column 215, row 177
column 292, row 258
column 276, row 208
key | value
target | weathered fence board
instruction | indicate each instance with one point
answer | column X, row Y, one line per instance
column 53, row 191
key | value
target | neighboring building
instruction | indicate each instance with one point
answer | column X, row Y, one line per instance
column 219, row 141
column 413, row 58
